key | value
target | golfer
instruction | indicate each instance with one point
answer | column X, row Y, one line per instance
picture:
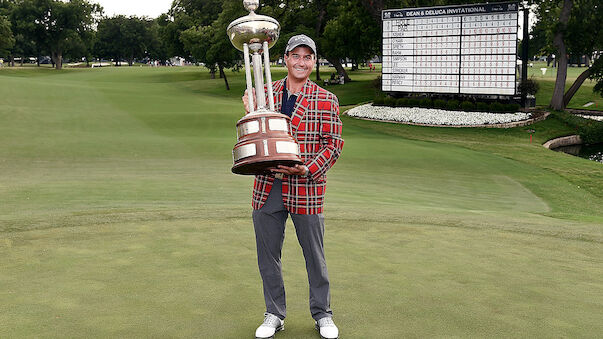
column 298, row 191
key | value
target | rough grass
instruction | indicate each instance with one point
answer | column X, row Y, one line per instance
column 584, row 95
column 120, row 218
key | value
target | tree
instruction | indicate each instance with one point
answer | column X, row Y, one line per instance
column 7, row 41
column 576, row 29
column 352, row 28
column 210, row 44
column 58, row 24
column 121, row 37
column 183, row 15
column 307, row 17
column 28, row 37
column 157, row 48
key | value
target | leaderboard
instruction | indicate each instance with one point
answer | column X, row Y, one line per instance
column 468, row 49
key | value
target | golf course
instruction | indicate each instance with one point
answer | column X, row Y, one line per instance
column 120, row 218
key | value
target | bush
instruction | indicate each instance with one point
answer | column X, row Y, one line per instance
column 591, row 131
column 402, row 102
column 512, row 108
column 389, row 101
column 425, row 103
column 376, row 83
column 452, row 105
column 379, row 100
column 413, row 102
column 529, row 87
column 482, row 107
column 496, row 107
column 439, row 103
column 467, row 106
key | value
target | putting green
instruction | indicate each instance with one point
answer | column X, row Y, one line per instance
column 120, row 218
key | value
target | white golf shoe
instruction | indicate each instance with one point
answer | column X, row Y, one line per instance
column 269, row 327
column 327, row 328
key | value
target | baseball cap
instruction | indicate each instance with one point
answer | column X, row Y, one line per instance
column 300, row 40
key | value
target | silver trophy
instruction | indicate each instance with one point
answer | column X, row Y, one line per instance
column 263, row 136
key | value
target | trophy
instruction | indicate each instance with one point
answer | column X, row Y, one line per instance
column 263, row 136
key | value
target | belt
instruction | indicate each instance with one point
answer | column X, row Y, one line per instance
column 278, row 175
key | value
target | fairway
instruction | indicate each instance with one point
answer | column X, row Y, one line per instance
column 119, row 217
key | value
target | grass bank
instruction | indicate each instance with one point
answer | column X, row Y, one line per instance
column 120, row 218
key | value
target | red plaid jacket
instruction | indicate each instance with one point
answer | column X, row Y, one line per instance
column 316, row 126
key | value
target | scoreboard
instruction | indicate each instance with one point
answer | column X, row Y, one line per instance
column 467, row 49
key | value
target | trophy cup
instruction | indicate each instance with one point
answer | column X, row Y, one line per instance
column 263, row 136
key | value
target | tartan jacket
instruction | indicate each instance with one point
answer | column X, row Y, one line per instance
column 316, row 126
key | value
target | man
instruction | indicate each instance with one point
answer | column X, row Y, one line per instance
column 298, row 191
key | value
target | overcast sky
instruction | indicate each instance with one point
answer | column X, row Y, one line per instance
column 149, row 8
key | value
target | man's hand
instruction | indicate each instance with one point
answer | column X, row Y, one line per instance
column 246, row 100
column 296, row 170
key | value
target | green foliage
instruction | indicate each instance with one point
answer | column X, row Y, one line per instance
column 389, row 101
column 496, row 107
column 210, row 44
column 439, row 103
column 402, row 102
column 379, row 100
column 597, row 75
column 413, row 102
column 352, row 33
column 467, row 106
column 426, row 103
column 529, row 86
column 452, row 105
column 124, row 37
column 376, row 84
column 7, row 41
column 512, row 107
column 590, row 131
column 481, row 106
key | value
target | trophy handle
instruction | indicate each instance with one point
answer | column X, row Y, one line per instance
column 268, row 76
column 248, row 76
column 256, row 58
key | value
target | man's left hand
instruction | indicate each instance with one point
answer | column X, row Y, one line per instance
column 300, row 170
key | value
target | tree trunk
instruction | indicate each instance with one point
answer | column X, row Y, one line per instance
column 38, row 60
column 130, row 61
column 318, row 29
column 223, row 75
column 576, row 85
column 12, row 61
column 212, row 73
column 21, row 63
column 340, row 70
column 557, row 102
column 549, row 59
column 57, row 57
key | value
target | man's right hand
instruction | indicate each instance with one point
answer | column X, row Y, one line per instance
column 246, row 100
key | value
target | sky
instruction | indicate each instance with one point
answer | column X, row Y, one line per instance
column 149, row 8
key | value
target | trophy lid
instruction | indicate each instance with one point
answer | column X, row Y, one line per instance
column 253, row 28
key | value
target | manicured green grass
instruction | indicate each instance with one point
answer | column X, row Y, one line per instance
column 120, row 218
column 547, row 82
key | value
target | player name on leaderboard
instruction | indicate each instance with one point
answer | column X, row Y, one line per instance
column 469, row 49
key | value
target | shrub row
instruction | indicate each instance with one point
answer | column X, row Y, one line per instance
column 452, row 105
column 591, row 131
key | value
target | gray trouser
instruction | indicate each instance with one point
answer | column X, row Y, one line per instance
column 269, row 223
